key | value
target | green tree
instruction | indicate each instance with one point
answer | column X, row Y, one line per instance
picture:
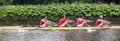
column 6, row 2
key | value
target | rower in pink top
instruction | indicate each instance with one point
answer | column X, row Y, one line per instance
column 82, row 22
column 63, row 22
column 100, row 22
column 43, row 22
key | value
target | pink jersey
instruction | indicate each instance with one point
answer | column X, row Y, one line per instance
column 79, row 21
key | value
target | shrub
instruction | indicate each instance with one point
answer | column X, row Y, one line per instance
column 53, row 11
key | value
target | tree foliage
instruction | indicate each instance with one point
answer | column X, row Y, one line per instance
column 55, row 10
column 44, row 2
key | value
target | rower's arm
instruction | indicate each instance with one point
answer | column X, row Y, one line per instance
column 86, row 23
column 67, row 23
column 106, row 22
column 45, row 21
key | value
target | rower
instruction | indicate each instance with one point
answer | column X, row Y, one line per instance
column 63, row 22
column 82, row 22
column 43, row 22
column 100, row 22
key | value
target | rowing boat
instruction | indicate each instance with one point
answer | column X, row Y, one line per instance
column 56, row 28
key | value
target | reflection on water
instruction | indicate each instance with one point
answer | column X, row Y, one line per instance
column 59, row 35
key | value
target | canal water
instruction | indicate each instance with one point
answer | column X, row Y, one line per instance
column 60, row 35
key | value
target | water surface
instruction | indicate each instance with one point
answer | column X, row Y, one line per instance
column 59, row 35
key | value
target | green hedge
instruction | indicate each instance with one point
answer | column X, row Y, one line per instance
column 55, row 10
column 42, row 2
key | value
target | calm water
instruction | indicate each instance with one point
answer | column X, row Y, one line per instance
column 59, row 35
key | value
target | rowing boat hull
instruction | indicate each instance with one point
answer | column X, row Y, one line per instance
column 56, row 28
